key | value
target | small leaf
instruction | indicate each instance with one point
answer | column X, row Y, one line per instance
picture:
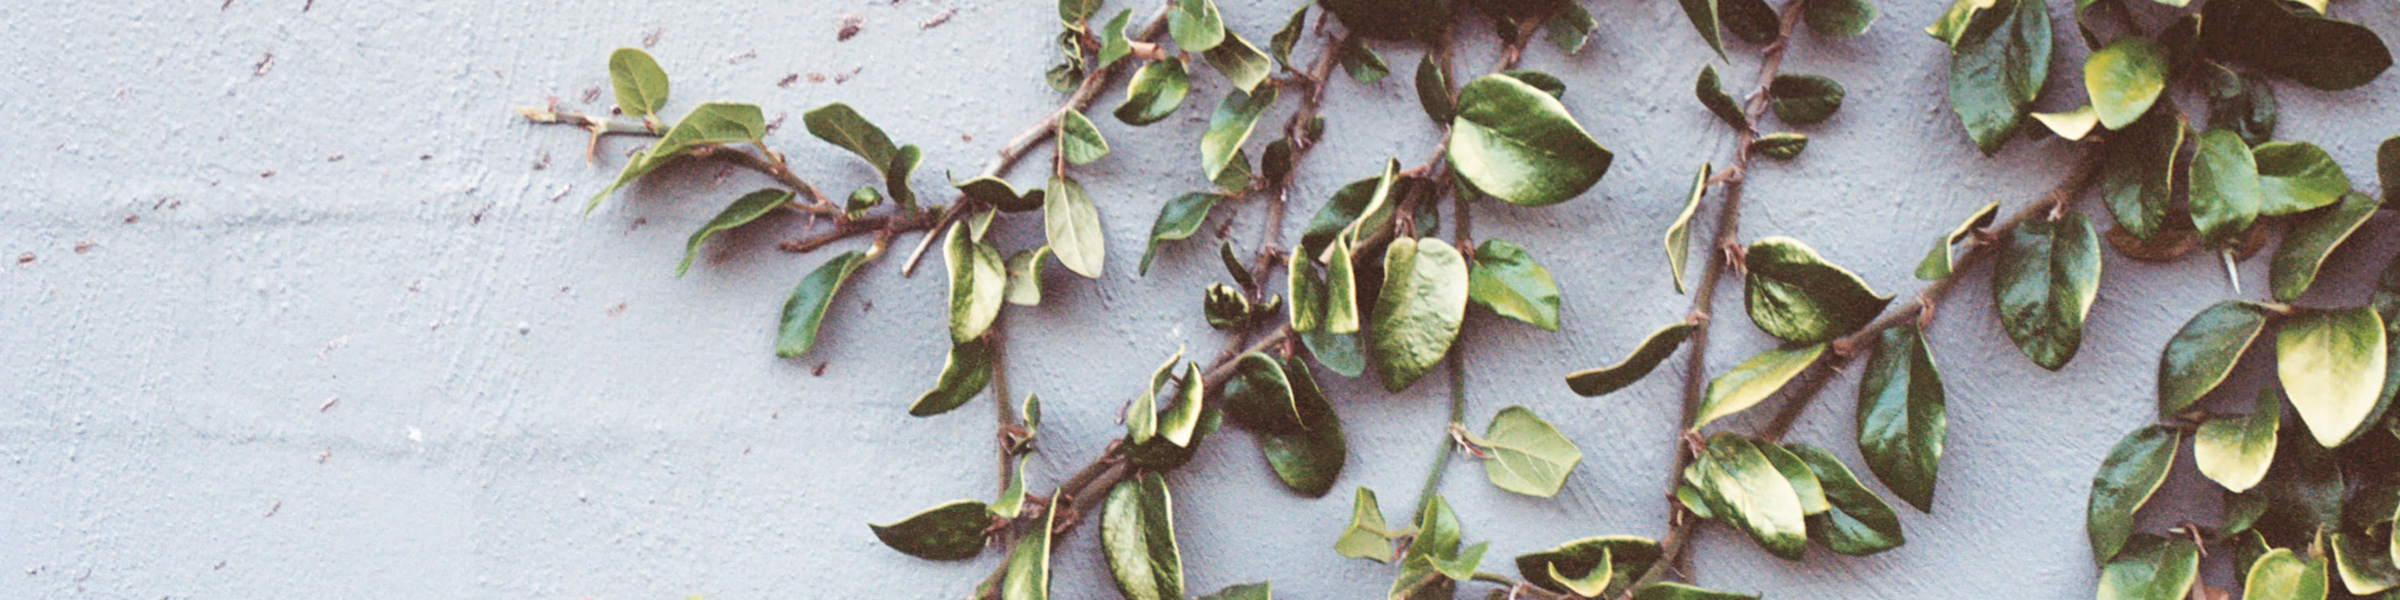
column 1902, row 418
column 1308, row 293
column 1938, row 261
column 1137, row 534
column 1361, row 62
column 1461, row 568
column 749, row 208
column 1012, row 498
column 1078, row 140
column 895, row 176
column 1284, row 39
column 1183, row 418
column 953, row 531
column 1309, row 461
column 1025, row 276
column 1362, row 205
column 2387, row 168
column 1026, row 576
column 2046, row 279
column 1781, row 146
column 1073, row 12
column 1114, row 46
column 1072, row 225
column 1668, row 590
column 1178, row 219
column 1794, row 294
column 2124, row 78
column 1859, row 524
column 1999, row 59
column 1516, row 143
column 1839, row 18
column 1141, row 418
column 1528, row 455
column 1365, row 537
column 1160, row 455
column 1246, row 591
column 1679, row 234
column 714, row 123
column 1229, row 127
column 1240, row 62
column 2071, row 125
column 1703, row 14
column 1751, row 20
column 1570, row 28
column 2138, row 176
column 1804, row 99
column 964, row 375
column 1154, row 92
column 1711, row 91
column 806, row 309
column 1627, row 558
column 1753, row 381
column 2131, row 473
column 2282, row 575
column 2225, row 191
column 861, row 200
column 1341, row 291
column 1418, row 312
column 2312, row 237
column 978, row 284
column 1433, row 91
column 1195, row 25
column 2204, row 351
column 1437, row 537
column 2295, row 177
column 1743, row 488
column 1646, row 356
column 2152, row 569
column 2332, row 364
column 2235, row 451
column 1504, row 277
column 641, row 86
column 840, row 125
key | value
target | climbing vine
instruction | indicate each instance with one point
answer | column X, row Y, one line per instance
column 1373, row 284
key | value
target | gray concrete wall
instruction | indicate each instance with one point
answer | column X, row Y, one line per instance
column 526, row 404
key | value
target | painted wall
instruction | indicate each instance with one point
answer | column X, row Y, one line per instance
column 330, row 324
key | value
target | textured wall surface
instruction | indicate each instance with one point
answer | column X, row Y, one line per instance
column 305, row 315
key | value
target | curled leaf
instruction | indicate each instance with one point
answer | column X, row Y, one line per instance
column 1646, row 356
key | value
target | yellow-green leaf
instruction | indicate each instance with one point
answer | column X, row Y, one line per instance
column 978, row 284
column 1178, row 219
column 1646, row 356
column 1154, row 92
column 1073, row 227
column 2283, row 575
column 2331, row 362
column 1027, row 573
column 741, row 212
column 1366, row 536
column 2131, row 473
column 641, row 86
column 1626, row 557
column 1229, row 127
column 1528, row 456
column 1516, row 143
column 1679, row 234
column 2124, row 78
column 1938, row 261
column 1753, row 381
column 1504, row 277
column 1418, row 311
column 2295, row 177
column 2152, row 569
column 1078, row 140
column 2234, row 451
column 1137, row 534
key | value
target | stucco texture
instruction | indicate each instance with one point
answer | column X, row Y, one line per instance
column 332, row 325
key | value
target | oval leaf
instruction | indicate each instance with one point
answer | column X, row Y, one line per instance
column 2295, row 177
column 1417, row 314
column 840, row 125
column 1178, row 219
column 1515, row 142
column 978, row 284
column 1839, row 18
column 805, row 311
column 2312, row 237
column 2331, row 362
column 1794, row 294
column 1195, row 25
column 953, row 531
column 2235, row 451
column 1711, row 91
column 1137, row 533
column 1753, row 381
column 1258, row 397
column 1804, row 99
column 2152, row 569
column 1646, row 356
column 1504, row 278
column 1073, row 227
column 1229, row 127
column 2225, row 192
column 2047, row 277
column 1240, row 62
column 2124, row 78
column 2304, row 45
column 1528, row 455
column 1308, row 461
column 1078, row 140
column 1999, row 59
column 2282, row 575
column 1744, row 489
column 1858, row 524
column 1025, row 276
column 1154, row 92
column 2138, row 176
column 2204, row 351
column 641, row 86
column 2132, row 471
column 1902, row 418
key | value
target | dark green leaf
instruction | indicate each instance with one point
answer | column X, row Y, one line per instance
column 1012, row 498
column 1998, row 61
column 1195, row 25
column 1229, row 127
column 1938, row 261
column 1751, row 20
column 1158, row 454
column 1225, row 307
column 1859, row 523
column 1753, row 381
column 2138, row 176
column 2225, row 192
column 1073, row 12
column 2387, row 169
column 1245, row 591
column 978, row 284
column 1781, row 146
column 1260, row 398
column 2313, row 237
column 1653, row 350
column 1073, row 227
column 842, row 126
column 2152, row 569
column 2204, row 351
column 1528, row 456
column 641, row 86
column 2124, row 78
column 1571, row 27
column 1668, row 590
column 1284, row 39
column 1703, row 14
column 2366, row 567
column 861, row 200
column 1137, row 534
column 953, row 531
column 1275, row 165
column 2235, row 451
column 997, row 193
column 1627, row 557
column 1178, row 219
column 964, row 375
column 1505, row 278
column 1236, row 176
column 1794, row 294
column 1901, row 415
column 1338, row 352
column 1743, row 488
column 1433, row 91
column 1027, row 573
column 1804, row 99
column 2044, row 284
column 1518, row 144
column 2284, row 40
column 1308, row 461
column 714, row 123
column 2295, row 177
column 741, row 212
column 1417, row 314
column 1390, row 19
column 1240, row 62
column 2127, row 478
column 1361, row 62
column 2243, row 103
column 1711, row 92
column 1839, row 18
column 1679, row 234
column 1155, row 92
column 1363, row 204
column 806, row 309
column 1547, row 83
column 1079, row 142
column 2332, row 364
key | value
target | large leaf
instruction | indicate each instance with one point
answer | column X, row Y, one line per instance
column 1794, row 294
column 805, row 311
column 1137, row 534
column 2282, row 575
column 1154, row 92
column 2137, row 178
column 2293, row 42
column 1858, row 524
column 2235, row 451
column 1938, row 261
column 1417, row 313
column 1804, row 99
column 1839, row 18
column 2204, row 351
column 1514, row 142
column 1902, row 418
column 641, row 86
column 968, row 369
column 1679, row 234
column 1504, row 278
column 2312, row 237
column 713, row 123
column 1073, row 227
column 1310, row 460
column 1528, row 456
column 2295, row 177
column 1026, row 576
column 1646, row 356
column 978, row 284
column 1626, row 558
column 1229, row 127
column 2044, row 285
column 953, row 531
column 2225, row 190
column 1743, row 488
column 2124, row 78
column 1241, row 63
column 2131, row 473
column 1753, row 381
column 2152, row 569
column 840, row 125
column 1998, row 60
column 1195, row 25
column 1178, row 219
column 1711, row 91
column 2332, row 364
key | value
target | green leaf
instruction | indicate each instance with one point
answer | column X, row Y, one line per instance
column 1570, row 28
column 1072, row 12
column 1160, row 455
column 997, row 193
column 1703, row 14
column 2366, row 569
column 806, row 309
column 1240, row 63
column 1528, row 455
column 1751, row 20
column 1307, row 290
column 861, row 200
column 1141, row 419
column 1902, row 415
column 1753, row 381
column 1308, row 461
column 2138, row 176
column 2047, row 277
column 1744, row 489
column 1433, row 91
column 969, row 368
column 1229, row 127
column 1859, row 523
column 1246, row 591
column 2131, row 473
column 2313, row 237
column 978, row 284
column 895, row 177
column 1668, row 590
column 1072, row 225
column 1954, row 21
column 1417, row 314
column 2242, row 103
column 1183, row 418
column 1998, row 61
column 2295, row 177
column 1804, row 99
column 1679, row 234
column 1361, row 62
column 1461, row 568
column 2204, row 351
column 1341, row 291
column 1592, row 584
column 1938, row 261
column 1518, row 144
column 1804, row 481
column 840, row 125
column 1646, row 356
column 1195, row 25
column 713, row 123
column 2152, row 569
column 1625, row 557
column 1114, row 46
column 1361, row 205
column 2288, row 41
column 1437, row 537
column 1079, row 142
column 1711, row 92
column 1027, row 573
column 1839, row 18
column 2071, row 125
column 1064, row 78
column 1284, row 39
column 953, row 531
column 1504, row 277
column 2387, row 168
column 1012, row 498
column 1260, row 397
column 2225, row 190
column 1336, row 351
column 2124, row 78
column 1236, row 178
column 1794, row 294
column 2332, row 364
column 1366, row 536
column 641, row 86
column 744, row 210
column 1780, row 146
column 1137, row 533
column 2282, row 575
column 1178, row 219
column 2235, row 451
column 1547, row 83
column 1025, row 277
column 1154, row 92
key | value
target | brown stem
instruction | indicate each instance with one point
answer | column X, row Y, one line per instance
column 1002, row 403
column 882, row 226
